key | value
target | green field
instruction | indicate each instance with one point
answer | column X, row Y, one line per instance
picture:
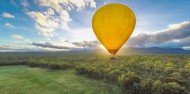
column 27, row 80
column 92, row 73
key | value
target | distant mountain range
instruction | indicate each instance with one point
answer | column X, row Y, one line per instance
column 133, row 50
column 123, row 51
column 153, row 50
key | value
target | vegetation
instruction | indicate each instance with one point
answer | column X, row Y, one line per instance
column 149, row 74
column 138, row 74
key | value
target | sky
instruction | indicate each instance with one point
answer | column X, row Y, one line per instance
column 64, row 25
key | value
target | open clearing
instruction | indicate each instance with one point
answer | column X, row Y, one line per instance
column 26, row 80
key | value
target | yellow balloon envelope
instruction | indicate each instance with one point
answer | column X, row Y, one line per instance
column 113, row 24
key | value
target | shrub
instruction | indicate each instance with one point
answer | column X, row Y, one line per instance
column 167, row 88
column 59, row 66
column 172, row 79
column 129, row 80
column 145, row 86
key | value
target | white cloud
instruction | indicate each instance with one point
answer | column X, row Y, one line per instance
column 45, row 24
column 69, row 4
column 7, row 15
column 17, row 36
column 9, row 25
column 22, row 41
column 178, row 26
column 78, row 4
column 56, row 15
column 39, row 18
column 25, row 3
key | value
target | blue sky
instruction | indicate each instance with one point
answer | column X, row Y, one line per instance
column 50, row 25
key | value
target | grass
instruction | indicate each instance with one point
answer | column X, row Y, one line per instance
column 26, row 80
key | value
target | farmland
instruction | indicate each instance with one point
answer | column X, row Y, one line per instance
column 129, row 74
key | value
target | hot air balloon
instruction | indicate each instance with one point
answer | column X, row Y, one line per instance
column 113, row 24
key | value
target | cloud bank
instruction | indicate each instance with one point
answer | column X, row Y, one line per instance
column 176, row 35
column 75, row 45
column 50, row 45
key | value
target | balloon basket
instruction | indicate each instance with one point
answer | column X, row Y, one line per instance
column 112, row 58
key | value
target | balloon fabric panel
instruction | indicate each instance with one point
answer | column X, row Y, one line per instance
column 113, row 24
